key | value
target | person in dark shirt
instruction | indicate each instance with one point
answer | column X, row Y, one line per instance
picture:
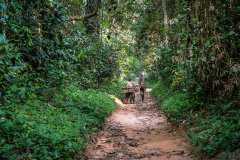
column 141, row 86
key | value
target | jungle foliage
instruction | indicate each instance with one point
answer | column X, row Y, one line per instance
column 61, row 59
column 49, row 66
column 192, row 49
column 57, row 130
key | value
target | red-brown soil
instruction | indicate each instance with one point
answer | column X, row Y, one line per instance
column 139, row 132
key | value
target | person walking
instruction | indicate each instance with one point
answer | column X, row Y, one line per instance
column 130, row 92
column 141, row 86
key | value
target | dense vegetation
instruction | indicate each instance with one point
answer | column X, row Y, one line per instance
column 60, row 60
column 48, row 64
column 192, row 51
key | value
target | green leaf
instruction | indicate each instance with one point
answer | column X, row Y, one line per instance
column 3, row 39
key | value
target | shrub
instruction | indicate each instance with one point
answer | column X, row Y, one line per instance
column 160, row 91
column 58, row 130
column 212, row 130
column 216, row 132
column 114, row 88
column 174, row 104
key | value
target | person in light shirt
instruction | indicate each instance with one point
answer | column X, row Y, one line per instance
column 130, row 94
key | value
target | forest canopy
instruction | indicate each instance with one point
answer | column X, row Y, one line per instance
column 62, row 59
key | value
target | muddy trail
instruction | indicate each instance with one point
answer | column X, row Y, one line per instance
column 139, row 132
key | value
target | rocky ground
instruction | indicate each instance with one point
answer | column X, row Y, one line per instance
column 139, row 132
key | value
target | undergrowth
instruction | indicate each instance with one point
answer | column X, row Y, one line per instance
column 114, row 88
column 212, row 130
column 53, row 130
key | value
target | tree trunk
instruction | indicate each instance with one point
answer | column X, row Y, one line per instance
column 166, row 27
column 92, row 23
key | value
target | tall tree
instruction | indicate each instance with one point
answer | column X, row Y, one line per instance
column 91, row 19
column 164, row 8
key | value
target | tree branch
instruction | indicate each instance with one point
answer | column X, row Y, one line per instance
column 76, row 18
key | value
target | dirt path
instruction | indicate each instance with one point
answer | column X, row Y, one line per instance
column 139, row 132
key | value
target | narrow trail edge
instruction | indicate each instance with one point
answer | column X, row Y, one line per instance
column 139, row 132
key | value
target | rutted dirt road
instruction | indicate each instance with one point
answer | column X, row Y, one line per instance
column 139, row 132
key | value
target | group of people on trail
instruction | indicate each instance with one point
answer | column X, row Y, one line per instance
column 132, row 88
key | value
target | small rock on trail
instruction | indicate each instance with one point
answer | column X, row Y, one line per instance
column 139, row 132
